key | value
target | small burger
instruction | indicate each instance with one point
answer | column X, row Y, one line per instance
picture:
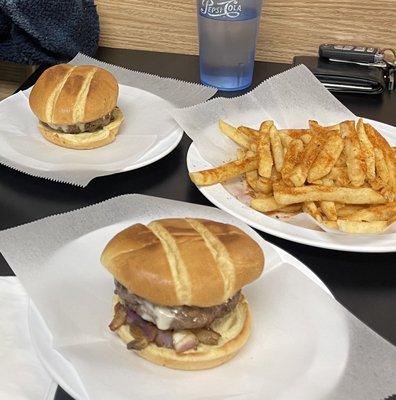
column 178, row 300
column 77, row 106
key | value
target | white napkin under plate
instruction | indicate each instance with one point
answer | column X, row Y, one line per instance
column 22, row 377
column 304, row 344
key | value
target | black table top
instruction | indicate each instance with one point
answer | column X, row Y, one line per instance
column 363, row 283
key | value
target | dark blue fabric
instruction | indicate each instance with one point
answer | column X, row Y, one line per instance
column 47, row 31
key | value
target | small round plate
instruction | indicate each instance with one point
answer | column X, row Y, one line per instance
column 147, row 134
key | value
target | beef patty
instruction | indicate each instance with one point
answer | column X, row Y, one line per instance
column 179, row 317
column 83, row 127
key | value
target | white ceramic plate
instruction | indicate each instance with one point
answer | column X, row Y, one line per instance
column 147, row 134
column 291, row 344
column 220, row 197
column 158, row 151
column 63, row 372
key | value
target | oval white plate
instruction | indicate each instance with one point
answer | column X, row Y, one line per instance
column 220, row 197
column 63, row 372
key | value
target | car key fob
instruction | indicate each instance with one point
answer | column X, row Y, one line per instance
column 350, row 53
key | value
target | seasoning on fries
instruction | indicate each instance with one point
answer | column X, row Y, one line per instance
column 343, row 175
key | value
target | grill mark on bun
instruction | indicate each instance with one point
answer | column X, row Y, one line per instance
column 79, row 105
column 177, row 267
column 53, row 98
column 146, row 261
column 220, row 254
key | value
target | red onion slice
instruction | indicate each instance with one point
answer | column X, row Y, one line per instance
column 164, row 339
column 184, row 340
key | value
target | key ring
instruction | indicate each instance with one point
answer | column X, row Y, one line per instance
column 389, row 56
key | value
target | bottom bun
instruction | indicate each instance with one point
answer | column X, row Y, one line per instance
column 85, row 141
column 234, row 329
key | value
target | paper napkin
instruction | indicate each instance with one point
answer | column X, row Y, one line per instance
column 22, row 377
column 304, row 345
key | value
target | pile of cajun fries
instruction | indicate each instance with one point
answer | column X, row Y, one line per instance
column 342, row 175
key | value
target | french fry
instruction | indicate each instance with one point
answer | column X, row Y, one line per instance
column 328, row 207
column 251, row 179
column 327, row 157
column 275, row 176
column 341, row 162
column 265, row 127
column 330, row 224
column 381, row 166
column 353, row 153
column 225, row 172
column 329, row 210
column 241, row 153
column 276, row 147
column 378, row 185
column 268, row 204
column 265, row 205
column 291, row 209
column 287, row 135
column 380, row 143
column 337, row 172
column 251, row 176
column 327, row 181
column 376, row 213
column 368, row 150
column 292, row 157
column 248, row 132
column 310, row 208
column 361, row 227
column 263, row 185
column 339, row 175
column 335, row 127
column 348, row 209
column 258, row 184
column 265, row 160
column 315, row 125
column 253, row 147
column 311, row 151
column 285, row 139
column 392, row 220
column 235, row 135
column 291, row 195
column 295, row 133
column 306, row 138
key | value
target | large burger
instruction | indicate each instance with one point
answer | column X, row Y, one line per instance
column 77, row 106
column 178, row 300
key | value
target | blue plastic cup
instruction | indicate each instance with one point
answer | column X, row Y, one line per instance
column 227, row 42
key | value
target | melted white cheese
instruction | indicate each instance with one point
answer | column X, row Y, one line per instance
column 63, row 127
column 158, row 315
